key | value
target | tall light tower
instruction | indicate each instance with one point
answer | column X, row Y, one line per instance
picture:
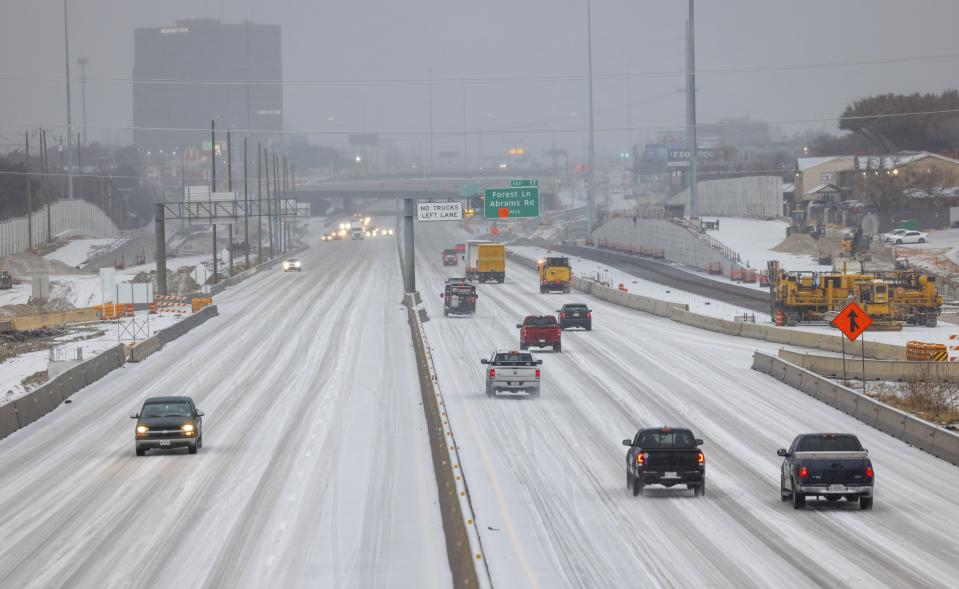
column 691, row 114
column 66, row 48
column 83, row 95
column 591, row 155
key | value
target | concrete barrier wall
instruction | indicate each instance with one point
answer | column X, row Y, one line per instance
column 9, row 422
column 678, row 244
column 875, row 369
column 754, row 196
column 926, row 436
column 180, row 328
column 143, row 349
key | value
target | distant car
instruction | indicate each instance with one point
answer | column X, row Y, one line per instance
column 168, row 422
column 512, row 371
column 665, row 456
column 893, row 235
column 575, row 315
column 912, row 237
column 291, row 264
column 831, row 466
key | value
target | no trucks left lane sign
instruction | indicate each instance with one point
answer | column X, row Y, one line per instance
column 439, row 211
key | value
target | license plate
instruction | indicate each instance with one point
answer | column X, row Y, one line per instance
column 164, row 442
column 513, row 383
column 575, row 314
column 670, row 475
column 837, row 488
column 542, row 341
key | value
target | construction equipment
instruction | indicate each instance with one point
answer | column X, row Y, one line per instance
column 889, row 297
column 555, row 274
column 6, row 281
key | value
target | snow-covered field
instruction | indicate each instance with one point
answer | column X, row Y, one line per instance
column 697, row 304
column 547, row 477
column 78, row 251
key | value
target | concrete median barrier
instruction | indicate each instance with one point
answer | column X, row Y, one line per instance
column 181, row 327
column 9, row 422
column 889, row 370
column 926, row 436
column 139, row 352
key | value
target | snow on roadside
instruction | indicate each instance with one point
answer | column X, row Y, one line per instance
column 77, row 251
column 635, row 285
column 754, row 240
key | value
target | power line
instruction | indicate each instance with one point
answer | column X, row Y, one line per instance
column 459, row 132
column 493, row 79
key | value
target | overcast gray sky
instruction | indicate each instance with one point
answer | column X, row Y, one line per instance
column 376, row 39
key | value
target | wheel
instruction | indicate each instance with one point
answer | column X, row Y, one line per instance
column 558, row 348
column 446, row 313
column 141, row 451
column 192, row 449
column 921, row 240
column 490, row 391
column 799, row 500
column 534, row 392
column 542, row 290
column 783, row 493
column 637, row 487
column 501, row 280
column 523, row 346
column 199, row 442
column 865, row 503
column 629, row 480
column 700, row 489
column 589, row 327
column 898, row 242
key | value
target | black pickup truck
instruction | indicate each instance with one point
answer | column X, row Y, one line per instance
column 665, row 456
column 831, row 466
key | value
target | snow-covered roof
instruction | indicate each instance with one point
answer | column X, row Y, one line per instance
column 822, row 188
column 874, row 162
column 804, row 163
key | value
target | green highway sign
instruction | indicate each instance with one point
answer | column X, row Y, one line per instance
column 510, row 203
column 523, row 183
column 470, row 189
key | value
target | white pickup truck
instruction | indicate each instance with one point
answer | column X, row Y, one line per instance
column 512, row 371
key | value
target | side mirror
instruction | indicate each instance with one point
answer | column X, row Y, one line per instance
column 699, row 441
column 539, row 362
column 628, row 443
column 135, row 416
column 199, row 413
column 782, row 452
column 484, row 361
column 519, row 326
column 442, row 295
column 866, row 451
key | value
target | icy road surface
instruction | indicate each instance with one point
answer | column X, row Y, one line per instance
column 547, row 476
column 315, row 469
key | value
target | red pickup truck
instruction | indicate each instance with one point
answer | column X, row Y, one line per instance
column 540, row 331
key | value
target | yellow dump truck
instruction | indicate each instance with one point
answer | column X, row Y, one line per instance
column 555, row 275
column 485, row 261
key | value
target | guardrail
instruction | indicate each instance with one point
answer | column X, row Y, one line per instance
column 926, row 436
column 464, row 549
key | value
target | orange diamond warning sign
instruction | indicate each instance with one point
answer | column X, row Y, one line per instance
column 852, row 321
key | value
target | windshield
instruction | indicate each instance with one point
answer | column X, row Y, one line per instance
column 292, row 260
column 557, row 261
column 829, row 443
column 174, row 409
column 574, row 308
column 541, row 321
column 677, row 438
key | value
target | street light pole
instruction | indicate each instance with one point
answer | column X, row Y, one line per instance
column 66, row 47
column 691, row 114
column 591, row 156
column 83, row 95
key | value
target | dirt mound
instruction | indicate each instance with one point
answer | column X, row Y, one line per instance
column 28, row 264
column 802, row 244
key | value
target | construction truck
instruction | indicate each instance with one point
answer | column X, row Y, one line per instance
column 555, row 274
column 889, row 298
column 485, row 261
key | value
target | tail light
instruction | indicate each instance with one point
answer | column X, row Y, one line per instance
column 537, row 376
column 869, row 472
column 589, row 314
column 803, row 472
column 701, row 458
column 492, row 373
column 641, row 458
column 563, row 314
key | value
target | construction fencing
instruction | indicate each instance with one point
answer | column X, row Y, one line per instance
column 74, row 216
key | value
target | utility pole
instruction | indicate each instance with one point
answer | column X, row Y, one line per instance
column 26, row 136
column 46, row 171
column 591, row 156
column 80, row 166
column 83, row 95
column 466, row 145
column 276, row 197
column 66, row 47
column 691, row 114
column 259, row 199
column 269, row 201
column 246, row 208
column 212, row 190
column 409, row 265
column 229, row 187
column 429, row 100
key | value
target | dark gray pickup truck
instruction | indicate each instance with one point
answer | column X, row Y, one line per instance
column 831, row 466
column 665, row 456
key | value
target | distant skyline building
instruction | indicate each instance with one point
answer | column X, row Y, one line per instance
column 179, row 59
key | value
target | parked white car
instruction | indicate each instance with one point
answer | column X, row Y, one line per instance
column 893, row 235
column 911, row 237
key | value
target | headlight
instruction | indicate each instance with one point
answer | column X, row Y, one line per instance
column 187, row 428
column 142, row 429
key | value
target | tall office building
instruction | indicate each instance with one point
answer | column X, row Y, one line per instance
column 171, row 68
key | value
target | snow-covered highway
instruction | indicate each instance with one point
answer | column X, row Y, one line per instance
column 547, row 475
column 315, row 468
